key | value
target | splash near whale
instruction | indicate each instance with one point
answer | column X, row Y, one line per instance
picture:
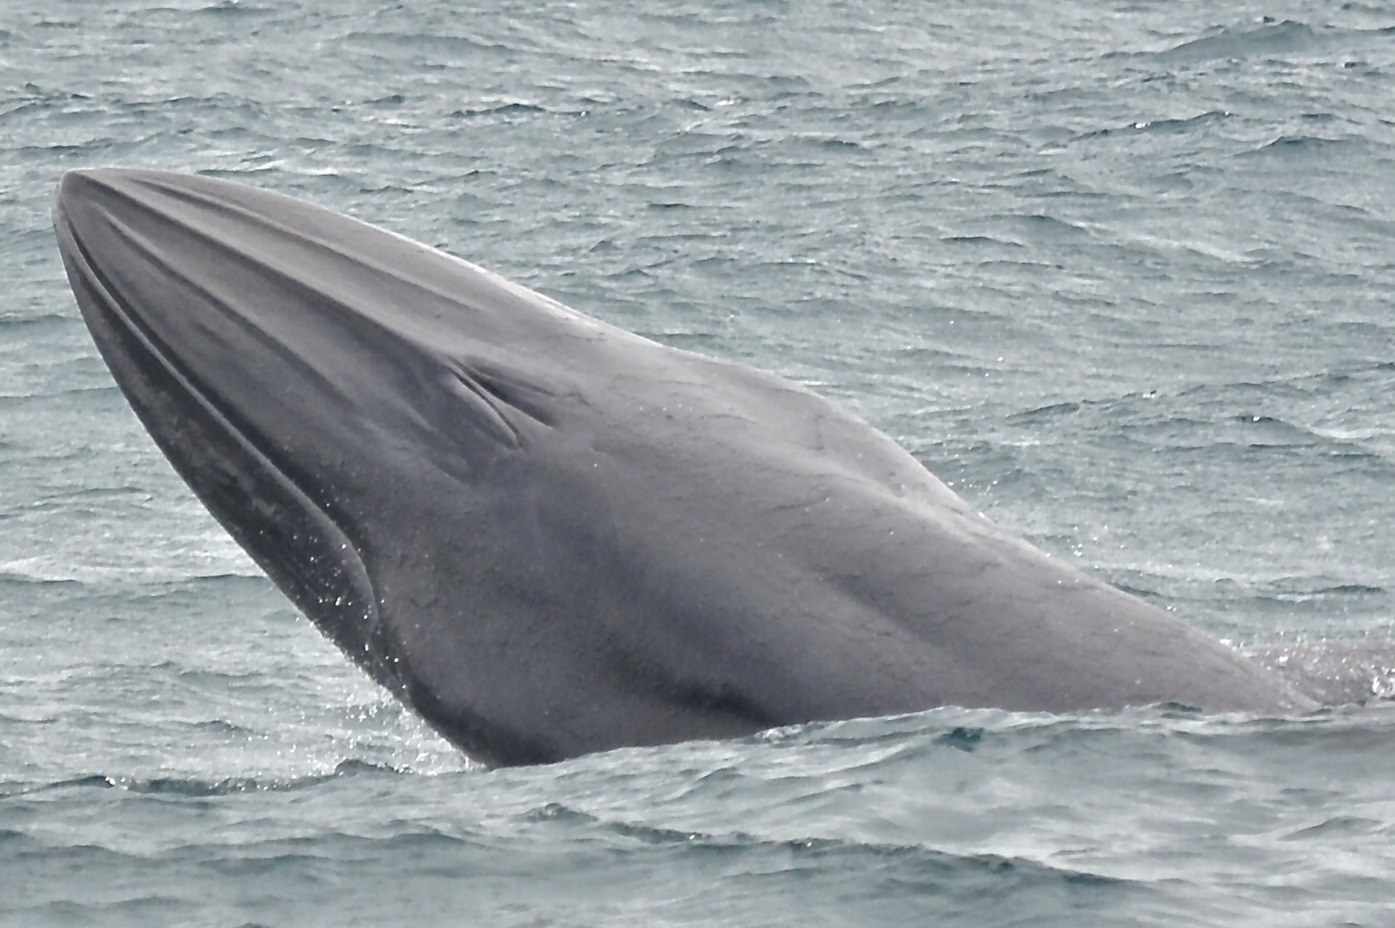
column 549, row 536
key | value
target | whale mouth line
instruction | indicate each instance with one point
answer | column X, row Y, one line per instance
column 214, row 415
column 155, row 347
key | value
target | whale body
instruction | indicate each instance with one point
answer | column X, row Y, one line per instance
column 549, row 536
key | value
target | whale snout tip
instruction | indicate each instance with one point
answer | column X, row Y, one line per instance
column 73, row 188
column 79, row 184
column 87, row 200
column 73, row 184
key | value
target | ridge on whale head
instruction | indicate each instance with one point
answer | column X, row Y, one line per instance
column 549, row 536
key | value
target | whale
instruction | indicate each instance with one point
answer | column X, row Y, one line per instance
column 548, row 536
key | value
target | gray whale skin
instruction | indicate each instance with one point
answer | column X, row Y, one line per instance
column 548, row 536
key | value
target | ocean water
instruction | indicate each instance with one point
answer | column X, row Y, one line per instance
column 1123, row 274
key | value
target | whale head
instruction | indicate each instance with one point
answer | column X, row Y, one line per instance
column 332, row 393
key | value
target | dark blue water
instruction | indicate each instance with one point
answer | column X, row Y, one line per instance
column 1122, row 274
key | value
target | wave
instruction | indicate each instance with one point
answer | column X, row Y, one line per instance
column 195, row 787
column 1240, row 42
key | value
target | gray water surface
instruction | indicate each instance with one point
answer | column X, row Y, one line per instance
column 1122, row 274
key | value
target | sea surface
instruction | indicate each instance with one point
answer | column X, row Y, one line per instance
column 1121, row 273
